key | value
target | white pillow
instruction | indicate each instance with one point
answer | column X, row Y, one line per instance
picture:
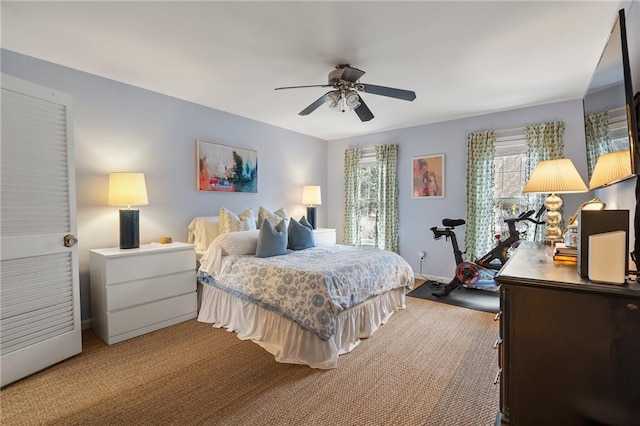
column 240, row 242
column 273, row 218
column 229, row 222
column 230, row 243
column 202, row 231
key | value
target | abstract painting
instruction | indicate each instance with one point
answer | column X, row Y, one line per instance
column 225, row 168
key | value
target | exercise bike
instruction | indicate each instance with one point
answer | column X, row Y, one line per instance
column 479, row 274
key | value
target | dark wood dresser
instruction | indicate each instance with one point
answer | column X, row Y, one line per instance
column 569, row 348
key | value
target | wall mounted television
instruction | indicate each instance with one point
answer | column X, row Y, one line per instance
column 610, row 95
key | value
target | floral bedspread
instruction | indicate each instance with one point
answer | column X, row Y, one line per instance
column 312, row 286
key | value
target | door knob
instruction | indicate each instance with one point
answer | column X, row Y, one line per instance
column 70, row 240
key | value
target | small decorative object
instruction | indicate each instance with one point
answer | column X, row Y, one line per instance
column 128, row 189
column 165, row 240
column 554, row 177
column 311, row 196
column 427, row 176
column 571, row 236
column 224, row 168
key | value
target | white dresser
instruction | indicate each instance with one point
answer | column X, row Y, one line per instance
column 137, row 291
column 324, row 236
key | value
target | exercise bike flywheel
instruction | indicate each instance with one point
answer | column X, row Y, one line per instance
column 468, row 273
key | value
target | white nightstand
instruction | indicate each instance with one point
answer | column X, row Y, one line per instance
column 324, row 236
column 137, row 291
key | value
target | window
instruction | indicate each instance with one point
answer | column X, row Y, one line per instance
column 371, row 197
column 618, row 130
column 368, row 198
column 511, row 163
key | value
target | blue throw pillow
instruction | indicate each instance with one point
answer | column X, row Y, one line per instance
column 272, row 241
column 300, row 234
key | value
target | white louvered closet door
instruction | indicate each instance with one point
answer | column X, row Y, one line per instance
column 39, row 287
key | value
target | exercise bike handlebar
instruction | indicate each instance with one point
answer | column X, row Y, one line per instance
column 524, row 216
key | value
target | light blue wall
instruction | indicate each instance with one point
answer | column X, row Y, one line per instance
column 118, row 127
column 449, row 138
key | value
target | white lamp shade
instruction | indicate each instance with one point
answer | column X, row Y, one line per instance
column 127, row 189
column 611, row 168
column 311, row 195
column 555, row 176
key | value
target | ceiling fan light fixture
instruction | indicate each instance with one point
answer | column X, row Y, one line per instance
column 352, row 99
column 334, row 100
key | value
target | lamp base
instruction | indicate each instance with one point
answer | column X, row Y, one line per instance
column 552, row 217
column 129, row 229
column 311, row 216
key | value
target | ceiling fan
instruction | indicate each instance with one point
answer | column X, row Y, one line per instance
column 345, row 82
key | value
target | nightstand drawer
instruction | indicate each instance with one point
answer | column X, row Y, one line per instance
column 148, row 264
column 145, row 316
column 125, row 294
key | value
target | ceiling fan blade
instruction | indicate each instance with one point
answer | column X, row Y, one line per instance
column 390, row 92
column 351, row 74
column 314, row 106
column 300, row 87
column 363, row 111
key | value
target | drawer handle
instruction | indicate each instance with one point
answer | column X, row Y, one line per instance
column 498, row 315
column 497, row 344
column 497, row 379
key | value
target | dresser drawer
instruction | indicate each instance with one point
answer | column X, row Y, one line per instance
column 131, row 319
column 126, row 294
column 148, row 264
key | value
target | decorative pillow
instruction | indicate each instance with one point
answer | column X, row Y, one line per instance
column 273, row 218
column 229, row 222
column 272, row 241
column 202, row 231
column 240, row 242
column 230, row 243
column 300, row 234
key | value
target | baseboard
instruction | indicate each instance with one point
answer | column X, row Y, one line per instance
column 86, row 324
column 428, row 277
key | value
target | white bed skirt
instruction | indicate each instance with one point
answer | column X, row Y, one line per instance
column 285, row 339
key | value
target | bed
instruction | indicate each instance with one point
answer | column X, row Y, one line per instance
column 304, row 307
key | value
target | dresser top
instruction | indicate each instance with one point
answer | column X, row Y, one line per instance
column 143, row 249
column 531, row 264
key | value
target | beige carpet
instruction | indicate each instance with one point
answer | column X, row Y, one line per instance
column 432, row 364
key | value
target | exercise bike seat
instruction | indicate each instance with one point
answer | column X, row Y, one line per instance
column 452, row 223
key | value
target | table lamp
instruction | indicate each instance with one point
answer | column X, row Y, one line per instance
column 557, row 176
column 311, row 197
column 611, row 168
column 128, row 189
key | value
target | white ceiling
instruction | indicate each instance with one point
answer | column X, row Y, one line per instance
column 461, row 58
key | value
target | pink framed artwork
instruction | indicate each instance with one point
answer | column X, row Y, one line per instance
column 427, row 176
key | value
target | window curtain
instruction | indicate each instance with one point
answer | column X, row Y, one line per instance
column 544, row 142
column 351, row 233
column 387, row 218
column 481, row 151
column 598, row 141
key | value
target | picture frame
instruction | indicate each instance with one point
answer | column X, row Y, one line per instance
column 224, row 168
column 427, row 176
